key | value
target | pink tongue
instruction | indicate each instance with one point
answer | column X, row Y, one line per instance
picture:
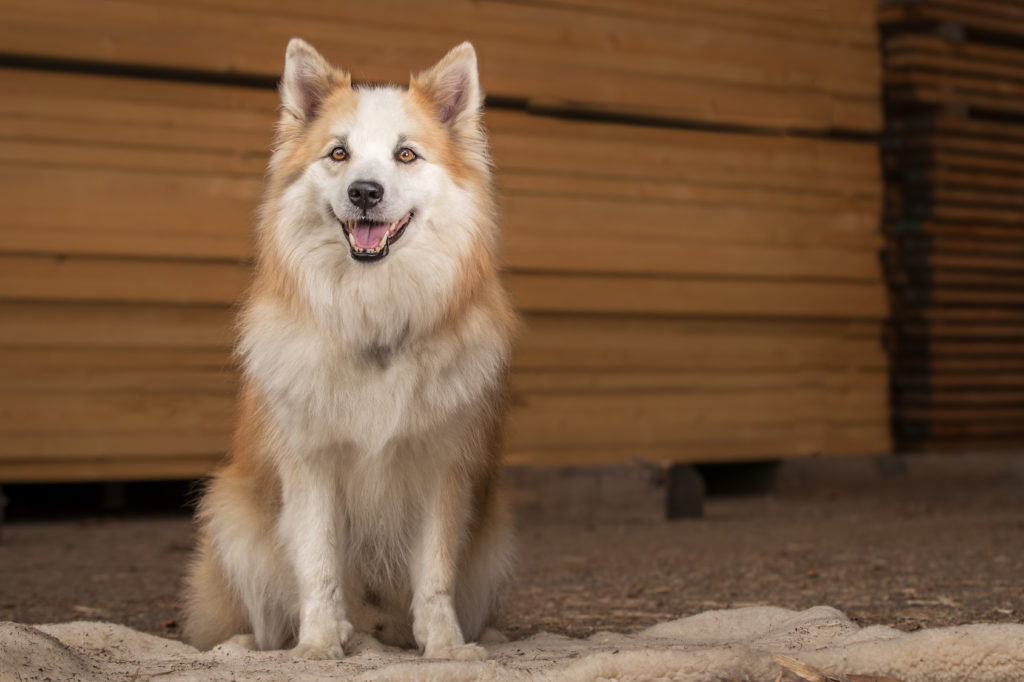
column 368, row 234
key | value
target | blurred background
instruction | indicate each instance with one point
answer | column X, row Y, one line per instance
column 738, row 230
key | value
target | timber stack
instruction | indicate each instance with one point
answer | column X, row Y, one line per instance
column 690, row 198
column 954, row 155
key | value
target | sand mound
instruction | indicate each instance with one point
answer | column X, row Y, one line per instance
column 740, row 644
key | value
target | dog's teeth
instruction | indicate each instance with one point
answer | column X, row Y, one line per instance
column 383, row 241
column 351, row 239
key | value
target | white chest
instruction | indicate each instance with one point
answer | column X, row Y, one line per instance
column 322, row 394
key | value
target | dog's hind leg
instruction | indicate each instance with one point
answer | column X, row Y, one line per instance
column 485, row 571
column 213, row 613
column 238, row 583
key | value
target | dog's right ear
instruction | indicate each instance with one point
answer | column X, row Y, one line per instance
column 308, row 79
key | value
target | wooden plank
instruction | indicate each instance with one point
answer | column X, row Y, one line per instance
column 753, row 444
column 956, row 424
column 922, row 51
column 667, row 344
column 561, row 146
column 100, row 371
column 123, row 213
column 657, row 69
column 851, row 22
column 807, row 441
column 974, row 236
column 970, row 16
column 945, row 381
column 942, row 158
column 161, row 370
column 974, row 349
column 957, row 279
column 641, row 36
column 609, row 380
column 640, row 416
column 578, row 182
column 129, row 411
column 949, row 296
column 994, row 246
column 39, row 278
column 922, row 86
column 957, row 125
column 56, row 446
column 972, row 316
column 961, row 397
column 664, row 296
column 956, row 213
column 719, row 224
column 128, row 468
column 101, row 210
column 972, row 329
column 977, row 365
column 540, row 247
column 62, row 324
column 550, row 341
column 22, row 361
column 231, row 126
column 944, row 177
column 558, row 187
column 547, row 420
column 971, row 199
column 979, row 146
column 971, row 445
column 88, row 380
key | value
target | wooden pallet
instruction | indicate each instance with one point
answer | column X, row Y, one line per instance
column 954, row 159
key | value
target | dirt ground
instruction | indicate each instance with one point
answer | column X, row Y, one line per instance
column 929, row 542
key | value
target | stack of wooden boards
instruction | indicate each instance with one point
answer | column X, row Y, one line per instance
column 955, row 219
column 697, row 293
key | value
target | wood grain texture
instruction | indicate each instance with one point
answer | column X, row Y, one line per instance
column 689, row 293
column 695, row 61
column 955, row 163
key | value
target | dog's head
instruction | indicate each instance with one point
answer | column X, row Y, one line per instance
column 371, row 169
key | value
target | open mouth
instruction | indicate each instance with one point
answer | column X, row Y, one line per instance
column 369, row 240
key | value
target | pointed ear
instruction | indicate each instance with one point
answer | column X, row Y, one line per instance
column 453, row 86
column 308, row 78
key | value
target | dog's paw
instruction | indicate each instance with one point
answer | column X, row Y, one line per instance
column 461, row 652
column 492, row 636
column 242, row 641
column 324, row 644
column 318, row 652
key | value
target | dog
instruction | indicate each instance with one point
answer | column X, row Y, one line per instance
column 361, row 493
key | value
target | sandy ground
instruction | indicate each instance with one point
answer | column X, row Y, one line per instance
column 939, row 544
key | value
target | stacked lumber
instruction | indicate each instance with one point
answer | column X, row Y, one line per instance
column 788, row 64
column 749, row 329
column 955, row 219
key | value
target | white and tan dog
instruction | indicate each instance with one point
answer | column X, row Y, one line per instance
column 361, row 491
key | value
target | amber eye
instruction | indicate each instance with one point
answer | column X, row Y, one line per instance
column 406, row 155
column 339, row 154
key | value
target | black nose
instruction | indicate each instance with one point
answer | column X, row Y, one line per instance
column 365, row 193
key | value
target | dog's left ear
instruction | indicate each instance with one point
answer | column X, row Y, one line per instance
column 453, row 86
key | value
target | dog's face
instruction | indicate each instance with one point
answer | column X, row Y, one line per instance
column 381, row 168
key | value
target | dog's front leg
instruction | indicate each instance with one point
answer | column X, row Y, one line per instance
column 312, row 533
column 435, row 561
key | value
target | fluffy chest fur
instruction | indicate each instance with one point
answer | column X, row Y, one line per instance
column 326, row 393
